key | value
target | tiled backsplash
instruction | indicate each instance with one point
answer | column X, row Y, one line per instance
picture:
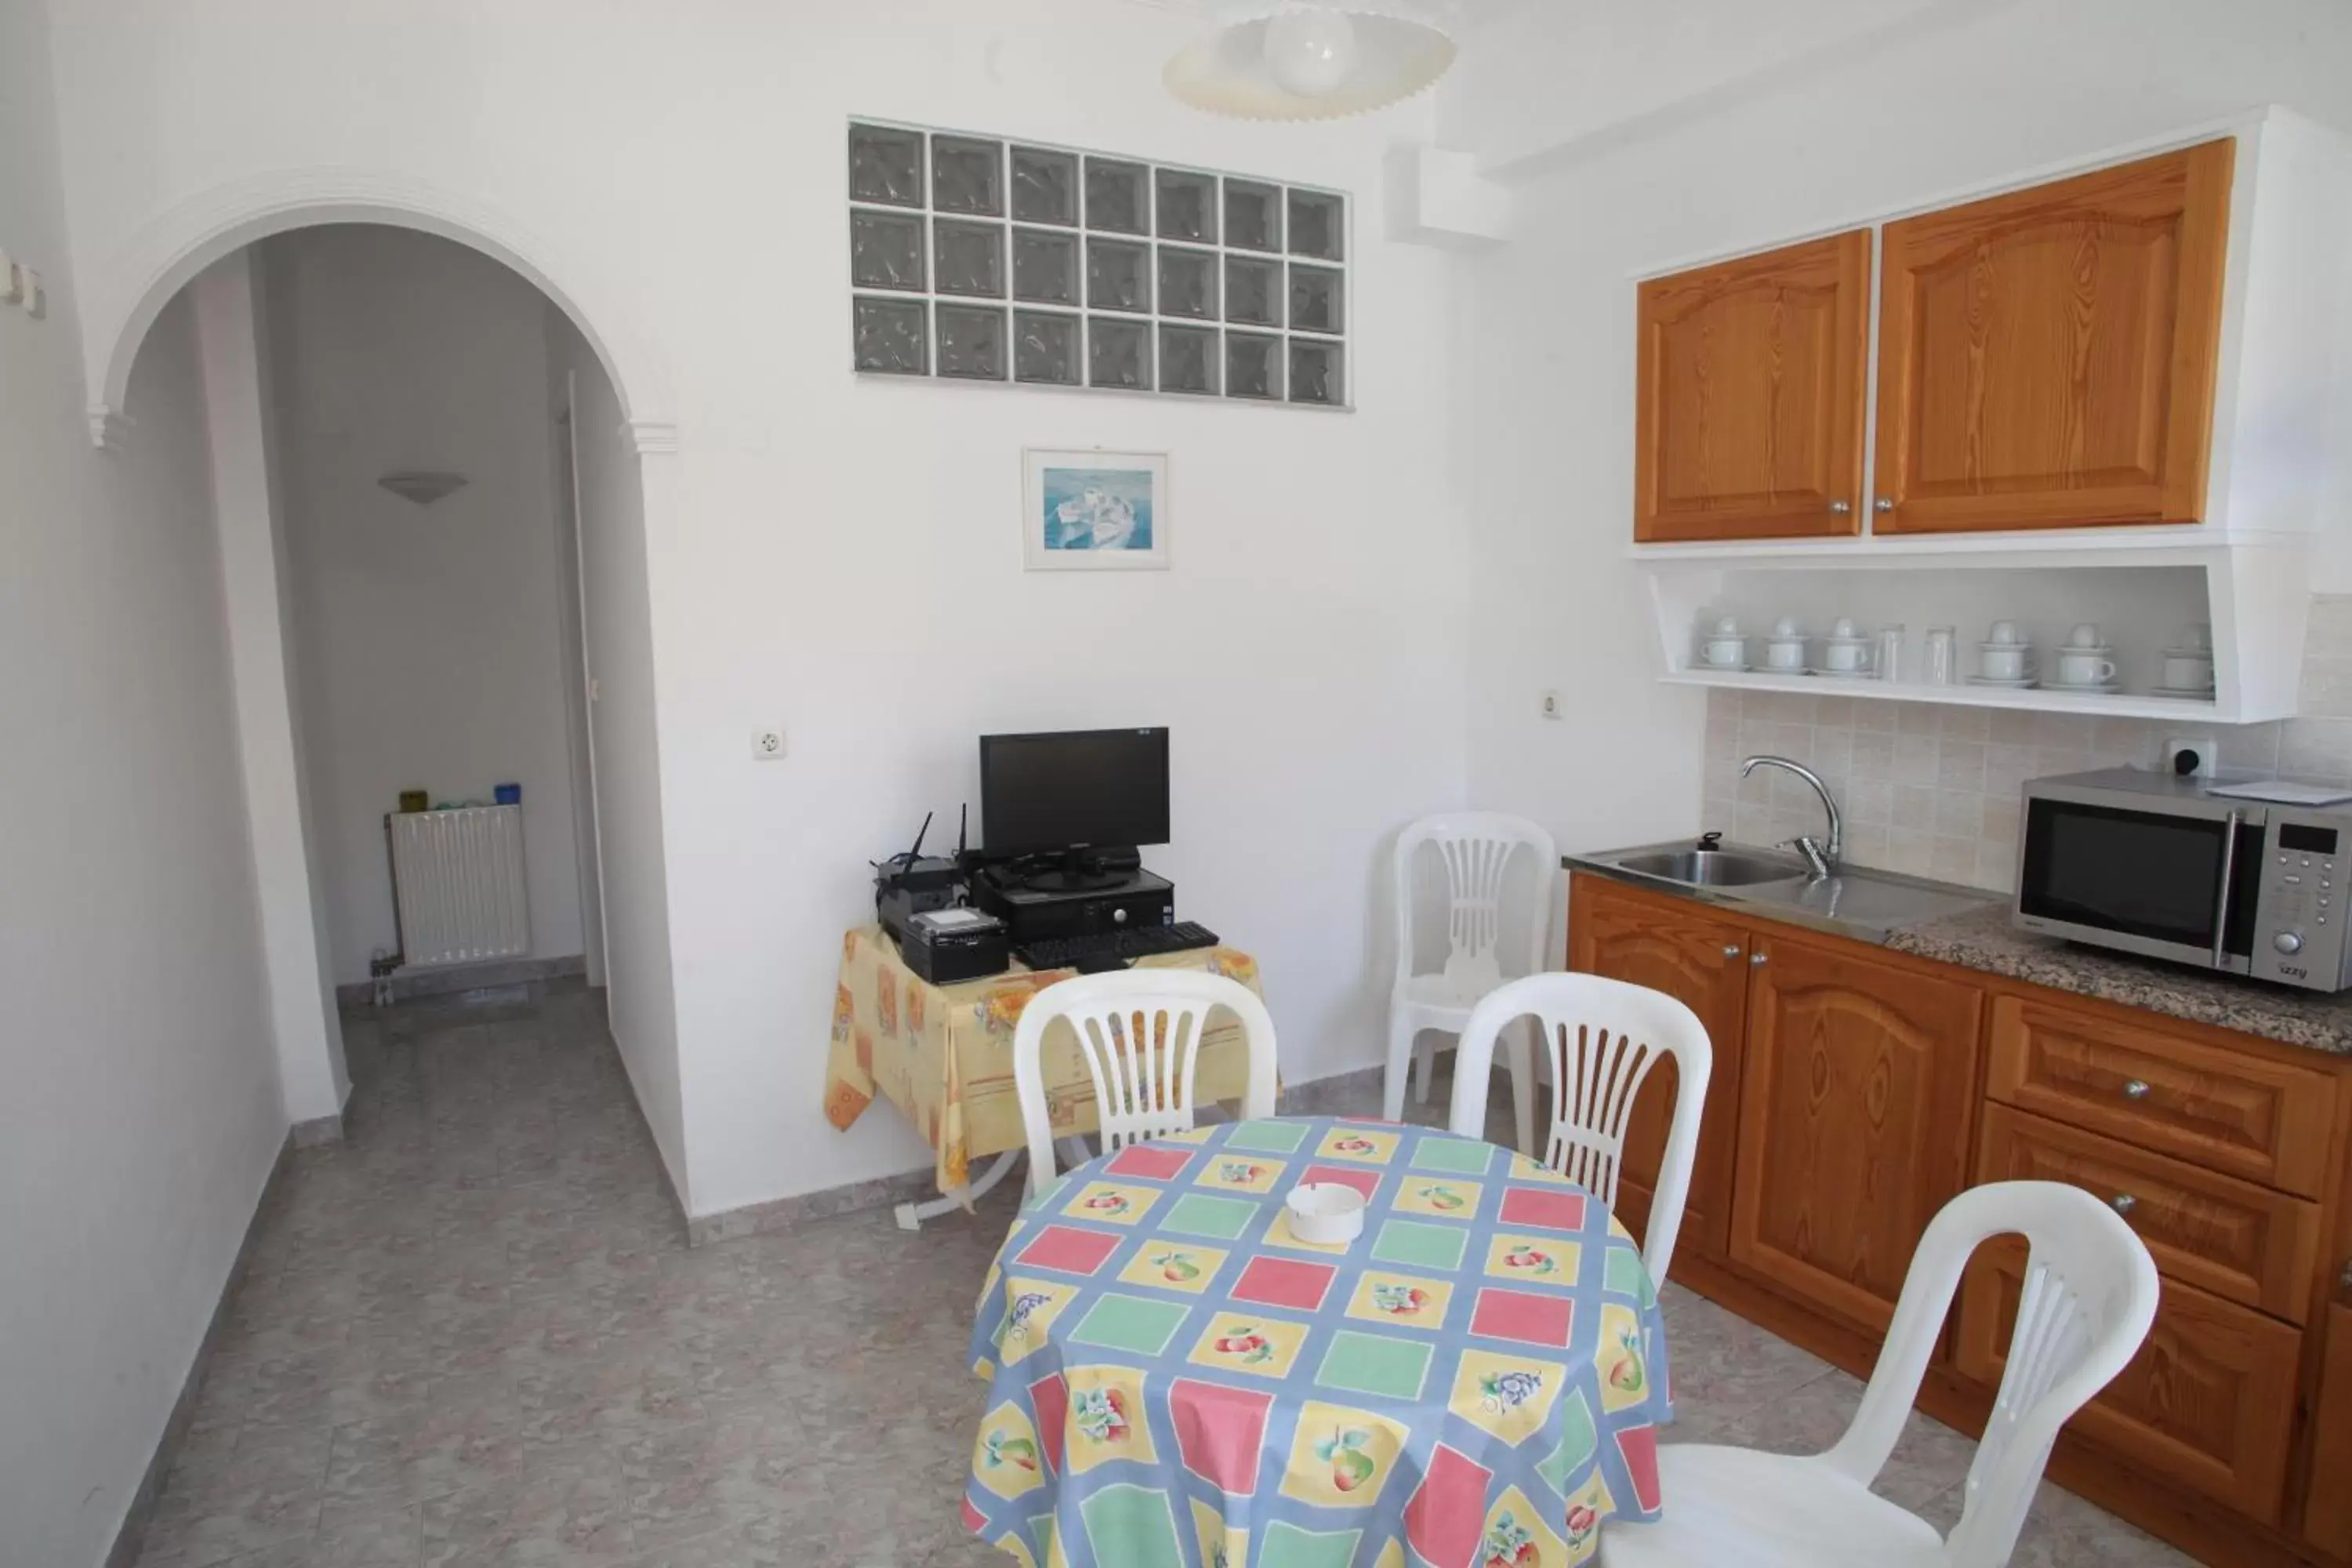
column 1933, row 790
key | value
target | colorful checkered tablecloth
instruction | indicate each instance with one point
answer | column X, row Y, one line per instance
column 1176, row 1380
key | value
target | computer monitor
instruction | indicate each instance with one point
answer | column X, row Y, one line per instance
column 1065, row 792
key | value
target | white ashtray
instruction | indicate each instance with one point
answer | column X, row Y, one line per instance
column 1326, row 1214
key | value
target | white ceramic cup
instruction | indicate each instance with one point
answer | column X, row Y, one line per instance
column 2005, row 632
column 1845, row 655
column 1730, row 652
column 1326, row 1214
column 1843, row 628
column 1726, row 625
column 2188, row 671
column 1786, row 627
column 2084, row 635
column 2198, row 636
column 2002, row 662
column 2076, row 668
column 1785, row 652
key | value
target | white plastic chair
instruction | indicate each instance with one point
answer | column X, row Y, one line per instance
column 2090, row 1293
column 1138, row 1032
column 1602, row 1038
column 1477, row 848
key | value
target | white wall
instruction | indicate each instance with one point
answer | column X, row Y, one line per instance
column 840, row 556
column 1548, row 433
column 140, row 1115
column 641, row 996
column 428, row 640
column 289, row 880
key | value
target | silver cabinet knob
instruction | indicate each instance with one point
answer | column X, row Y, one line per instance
column 1755, row 958
column 2135, row 1089
column 1731, row 949
column 1884, row 503
column 2123, row 1203
column 1840, row 508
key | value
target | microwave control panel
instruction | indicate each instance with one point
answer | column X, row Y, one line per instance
column 2299, row 921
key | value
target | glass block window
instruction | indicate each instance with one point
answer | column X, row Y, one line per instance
column 982, row 259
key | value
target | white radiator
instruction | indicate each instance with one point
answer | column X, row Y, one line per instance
column 457, row 876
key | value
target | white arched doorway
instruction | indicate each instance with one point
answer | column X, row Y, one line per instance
column 131, row 289
column 204, row 249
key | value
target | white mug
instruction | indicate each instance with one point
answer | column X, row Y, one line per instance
column 1786, row 627
column 1730, row 652
column 1785, row 652
column 1843, row 626
column 2005, row 632
column 2076, row 668
column 1728, row 626
column 2005, row 662
column 1844, row 656
column 2188, row 671
column 2084, row 635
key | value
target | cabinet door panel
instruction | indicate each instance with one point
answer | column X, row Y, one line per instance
column 1857, row 1100
column 2047, row 358
column 1749, row 394
column 2209, row 1401
column 1702, row 963
column 2327, row 1516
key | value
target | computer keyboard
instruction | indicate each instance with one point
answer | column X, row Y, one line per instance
column 1113, row 950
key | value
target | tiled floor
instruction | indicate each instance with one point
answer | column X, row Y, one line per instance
column 473, row 1334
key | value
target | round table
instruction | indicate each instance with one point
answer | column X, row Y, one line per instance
column 1176, row 1380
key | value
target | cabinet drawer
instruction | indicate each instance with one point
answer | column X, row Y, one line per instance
column 2219, row 1109
column 2208, row 1402
column 2244, row 1243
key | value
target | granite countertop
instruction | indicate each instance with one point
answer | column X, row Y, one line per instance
column 1984, row 939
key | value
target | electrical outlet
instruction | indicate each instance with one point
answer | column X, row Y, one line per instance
column 2188, row 756
column 767, row 745
column 1551, row 707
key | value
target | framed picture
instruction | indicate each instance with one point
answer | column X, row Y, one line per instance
column 1094, row 510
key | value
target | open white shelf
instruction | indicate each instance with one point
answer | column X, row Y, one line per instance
column 2120, row 704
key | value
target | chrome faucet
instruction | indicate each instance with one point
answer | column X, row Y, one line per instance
column 1822, row 857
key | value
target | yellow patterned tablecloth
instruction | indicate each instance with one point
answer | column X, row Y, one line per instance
column 943, row 1054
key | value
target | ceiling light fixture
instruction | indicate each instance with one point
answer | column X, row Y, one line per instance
column 1292, row 61
column 423, row 489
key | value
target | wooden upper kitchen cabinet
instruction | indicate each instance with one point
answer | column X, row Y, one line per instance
column 1701, row 961
column 1857, row 1101
column 1750, row 395
column 2047, row 358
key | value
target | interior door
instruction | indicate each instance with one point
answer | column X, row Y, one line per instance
column 1749, row 395
column 1702, row 963
column 2046, row 358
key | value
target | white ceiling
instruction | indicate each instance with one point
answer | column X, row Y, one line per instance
column 1465, row 16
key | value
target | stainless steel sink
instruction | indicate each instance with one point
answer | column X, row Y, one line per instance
column 1851, row 901
column 1711, row 868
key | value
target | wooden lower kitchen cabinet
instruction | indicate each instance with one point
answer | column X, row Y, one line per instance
column 2327, row 1516
column 1857, row 1090
column 2209, row 1401
column 1855, row 1120
column 1703, row 963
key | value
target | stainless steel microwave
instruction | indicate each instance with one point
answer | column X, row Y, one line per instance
column 2159, row 865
